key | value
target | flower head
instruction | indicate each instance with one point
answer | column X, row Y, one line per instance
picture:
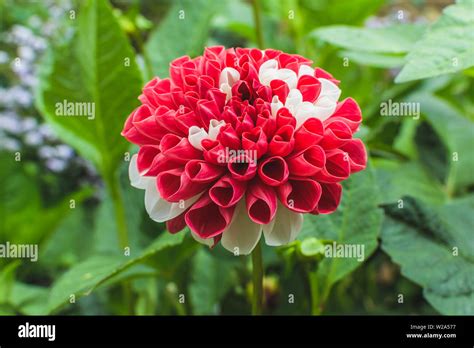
column 240, row 142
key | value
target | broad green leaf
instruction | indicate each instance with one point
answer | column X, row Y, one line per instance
column 375, row 59
column 7, row 279
column 356, row 222
column 397, row 179
column 183, row 31
column 29, row 299
column 96, row 69
column 326, row 12
column 435, row 249
column 446, row 47
column 394, row 39
column 84, row 277
column 457, row 132
column 211, row 279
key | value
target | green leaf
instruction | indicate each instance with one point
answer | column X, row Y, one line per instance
column 7, row 279
column 212, row 277
column 96, row 67
column 29, row 299
column 446, row 47
column 401, row 179
column 183, row 31
column 357, row 222
column 325, row 12
column 435, row 249
column 394, row 39
column 457, row 132
column 377, row 60
column 84, row 277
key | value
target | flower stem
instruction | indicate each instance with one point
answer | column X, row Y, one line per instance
column 113, row 185
column 314, row 289
column 119, row 208
column 257, row 279
column 257, row 16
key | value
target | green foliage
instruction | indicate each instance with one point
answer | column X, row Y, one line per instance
column 84, row 277
column 357, row 221
column 421, row 170
column 457, row 132
column 91, row 69
column 410, row 178
column 445, row 48
column 211, row 279
column 394, row 39
column 434, row 247
column 183, row 31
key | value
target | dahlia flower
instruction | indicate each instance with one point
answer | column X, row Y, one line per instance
column 240, row 142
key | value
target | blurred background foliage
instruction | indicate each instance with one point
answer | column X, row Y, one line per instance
column 64, row 181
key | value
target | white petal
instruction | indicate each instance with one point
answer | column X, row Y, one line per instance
column 161, row 210
column 214, row 127
column 242, row 235
column 293, row 100
column 305, row 110
column 267, row 71
column 305, row 70
column 225, row 88
column 327, row 101
column 196, row 135
column 284, row 228
column 328, row 90
column 229, row 76
column 325, row 108
column 275, row 105
column 287, row 76
column 136, row 180
column 209, row 241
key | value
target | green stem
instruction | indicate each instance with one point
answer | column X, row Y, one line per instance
column 113, row 185
column 257, row 279
column 314, row 289
column 119, row 208
column 257, row 16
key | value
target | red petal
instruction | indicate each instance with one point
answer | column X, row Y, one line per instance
column 310, row 133
column 348, row 112
column 310, row 87
column 337, row 167
column 207, row 219
column 145, row 158
column 300, row 194
column 357, row 154
column 336, row 134
column 176, row 224
column 179, row 149
column 242, row 167
column 174, row 185
column 282, row 142
column 261, row 202
column 281, row 89
column 273, row 171
column 227, row 191
column 255, row 140
column 200, row 171
column 307, row 162
column 330, row 198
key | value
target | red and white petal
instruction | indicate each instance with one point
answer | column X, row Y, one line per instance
column 284, row 228
column 242, row 235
